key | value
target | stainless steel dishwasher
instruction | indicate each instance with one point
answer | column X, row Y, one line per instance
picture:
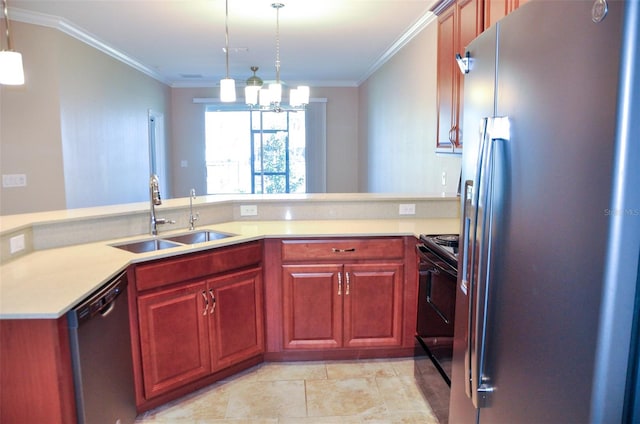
column 101, row 356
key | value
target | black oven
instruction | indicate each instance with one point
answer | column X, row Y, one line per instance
column 436, row 298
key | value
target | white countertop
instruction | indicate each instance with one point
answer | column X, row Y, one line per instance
column 45, row 284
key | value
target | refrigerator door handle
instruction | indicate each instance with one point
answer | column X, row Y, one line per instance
column 498, row 130
column 470, row 252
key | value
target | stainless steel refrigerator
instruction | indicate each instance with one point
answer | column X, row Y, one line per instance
column 550, row 204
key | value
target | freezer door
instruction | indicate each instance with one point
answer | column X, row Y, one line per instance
column 557, row 81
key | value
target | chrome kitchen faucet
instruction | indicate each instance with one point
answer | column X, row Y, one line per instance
column 192, row 218
column 155, row 200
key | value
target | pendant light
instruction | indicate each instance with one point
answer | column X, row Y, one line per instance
column 11, row 70
column 275, row 88
column 270, row 98
column 227, row 85
column 253, row 85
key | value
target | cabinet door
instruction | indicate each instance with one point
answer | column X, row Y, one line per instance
column 470, row 25
column 447, row 79
column 173, row 337
column 494, row 10
column 457, row 26
column 237, row 326
column 312, row 306
column 373, row 305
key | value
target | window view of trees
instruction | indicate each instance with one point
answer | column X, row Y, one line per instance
column 255, row 151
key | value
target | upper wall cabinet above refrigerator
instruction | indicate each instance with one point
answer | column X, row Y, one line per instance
column 459, row 22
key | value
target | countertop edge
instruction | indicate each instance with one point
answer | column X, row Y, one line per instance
column 37, row 268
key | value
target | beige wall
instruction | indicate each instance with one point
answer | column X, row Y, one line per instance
column 342, row 137
column 30, row 135
column 397, row 125
column 77, row 128
column 188, row 139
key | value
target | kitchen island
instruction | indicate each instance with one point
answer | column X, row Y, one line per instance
column 56, row 272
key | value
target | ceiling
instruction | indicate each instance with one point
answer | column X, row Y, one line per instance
column 181, row 42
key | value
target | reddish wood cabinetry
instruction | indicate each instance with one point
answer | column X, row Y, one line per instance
column 36, row 378
column 174, row 342
column 342, row 294
column 459, row 22
column 196, row 315
column 457, row 26
column 494, row 10
column 333, row 305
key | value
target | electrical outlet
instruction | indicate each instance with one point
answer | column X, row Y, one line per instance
column 248, row 210
column 407, row 209
column 14, row 180
column 16, row 244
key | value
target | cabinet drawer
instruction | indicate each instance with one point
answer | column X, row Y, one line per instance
column 342, row 249
column 169, row 271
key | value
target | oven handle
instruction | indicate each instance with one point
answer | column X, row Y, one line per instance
column 422, row 251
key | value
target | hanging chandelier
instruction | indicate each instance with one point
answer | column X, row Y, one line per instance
column 11, row 70
column 256, row 95
column 227, row 85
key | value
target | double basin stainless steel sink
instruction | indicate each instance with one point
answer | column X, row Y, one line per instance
column 193, row 237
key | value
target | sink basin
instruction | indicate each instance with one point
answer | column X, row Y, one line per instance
column 146, row 245
column 198, row 237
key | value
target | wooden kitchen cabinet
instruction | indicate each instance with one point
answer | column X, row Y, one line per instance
column 373, row 305
column 354, row 303
column 495, row 10
column 237, row 326
column 458, row 24
column 36, row 375
column 312, row 306
column 197, row 315
column 173, row 338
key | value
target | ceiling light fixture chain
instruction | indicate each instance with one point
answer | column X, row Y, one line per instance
column 277, row 6
column 270, row 98
column 5, row 10
column 226, row 33
column 11, row 69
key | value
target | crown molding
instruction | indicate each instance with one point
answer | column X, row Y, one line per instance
column 61, row 24
column 414, row 30
column 80, row 34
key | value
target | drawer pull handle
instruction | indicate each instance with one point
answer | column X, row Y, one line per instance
column 206, row 303
column 339, row 284
column 336, row 250
column 348, row 284
column 213, row 301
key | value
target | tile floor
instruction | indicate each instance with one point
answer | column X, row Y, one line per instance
column 364, row 391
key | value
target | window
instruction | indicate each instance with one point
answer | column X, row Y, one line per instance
column 255, row 151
